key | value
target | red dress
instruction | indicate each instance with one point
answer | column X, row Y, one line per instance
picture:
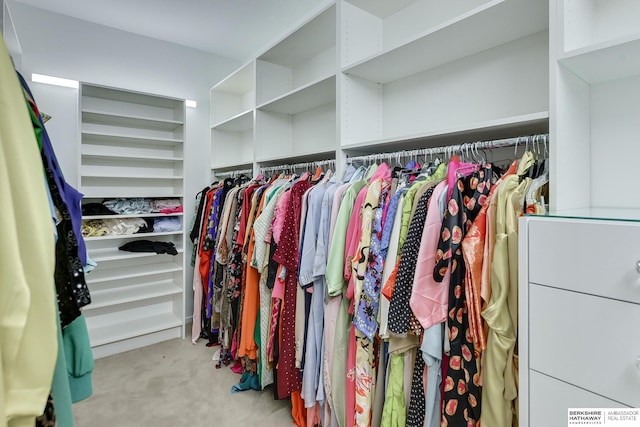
column 287, row 254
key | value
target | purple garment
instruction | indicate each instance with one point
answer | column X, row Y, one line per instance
column 71, row 197
column 388, row 225
column 365, row 318
column 214, row 219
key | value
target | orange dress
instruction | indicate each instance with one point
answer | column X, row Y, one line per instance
column 473, row 248
column 251, row 299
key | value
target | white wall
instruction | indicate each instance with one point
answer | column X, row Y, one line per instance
column 61, row 46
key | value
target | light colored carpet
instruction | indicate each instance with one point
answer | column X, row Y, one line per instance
column 174, row 384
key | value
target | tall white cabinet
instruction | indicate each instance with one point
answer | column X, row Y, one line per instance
column 359, row 77
column 579, row 268
column 132, row 147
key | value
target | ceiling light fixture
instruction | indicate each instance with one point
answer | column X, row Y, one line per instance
column 57, row 81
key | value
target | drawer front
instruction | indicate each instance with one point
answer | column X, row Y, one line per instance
column 550, row 400
column 587, row 341
column 599, row 258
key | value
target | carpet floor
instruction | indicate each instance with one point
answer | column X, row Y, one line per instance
column 174, row 384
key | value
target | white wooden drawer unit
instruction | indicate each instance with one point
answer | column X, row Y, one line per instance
column 579, row 302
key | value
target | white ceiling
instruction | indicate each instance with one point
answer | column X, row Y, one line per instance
column 236, row 29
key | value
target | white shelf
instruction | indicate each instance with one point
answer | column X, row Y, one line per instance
column 131, row 236
column 132, row 157
column 112, row 137
column 131, row 272
column 610, row 60
column 101, row 175
column 238, row 123
column 493, row 24
column 311, row 95
column 507, row 127
column 231, row 166
column 126, row 97
column 142, row 215
column 124, row 330
column 138, row 292
column 306, row 55
column 239, row 82
column 112, row 119
column 91, row 192
column 316, row 35
column 382, row 8
column 298, row 158
column 111, row 254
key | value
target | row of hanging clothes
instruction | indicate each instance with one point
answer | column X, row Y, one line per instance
column 385, row 297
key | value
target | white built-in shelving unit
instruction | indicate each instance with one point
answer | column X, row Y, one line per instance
column 594, row 84
column 366, row 76
column 232, row 119
column 132, row 146
column 595, row 80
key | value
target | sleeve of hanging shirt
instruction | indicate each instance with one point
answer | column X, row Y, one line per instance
column 310, row 238
column 335, row 264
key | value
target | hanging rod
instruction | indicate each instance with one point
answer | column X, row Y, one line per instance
column 294, row 166
column 467, row 147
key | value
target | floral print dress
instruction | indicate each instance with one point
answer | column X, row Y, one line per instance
column 461, row 397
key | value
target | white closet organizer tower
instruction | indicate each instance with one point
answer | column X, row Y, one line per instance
column 280, row 107
column 232, row 120
column 367, row 76
column 132, row 146
column 579, row 268
column 296, row 94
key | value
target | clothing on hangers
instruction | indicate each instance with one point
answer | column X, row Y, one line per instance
column 348, row 293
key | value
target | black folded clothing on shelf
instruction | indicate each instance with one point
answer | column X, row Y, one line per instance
column 148, row 228
column 96, row 209
column 149, row 246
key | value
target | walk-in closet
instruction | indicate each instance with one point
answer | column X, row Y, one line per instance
column 336, row 213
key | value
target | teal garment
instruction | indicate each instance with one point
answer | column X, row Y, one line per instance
column 257, row 336
column 248, row 381
column 60, row 387
column 77, row 351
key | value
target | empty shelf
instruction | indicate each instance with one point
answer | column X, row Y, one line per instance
column 108, row 274
column 138, row 292
column 465, row 35
column 113, row 254
column 122, row 331
column 314, row 94
column 112, row 137
column 131, row 236
column 113, row 119
column 239, row 122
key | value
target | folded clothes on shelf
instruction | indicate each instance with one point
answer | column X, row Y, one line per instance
column 124, row 226
column 131, row 206
column 150, row 246
column 166, row 205
column 96, row 209
column 171, row 210
column 166, row 224
column 94, row 228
